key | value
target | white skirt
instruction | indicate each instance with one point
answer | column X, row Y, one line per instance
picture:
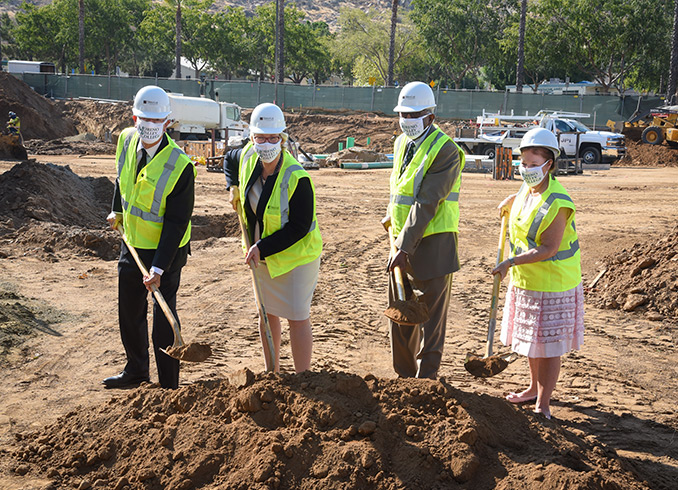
column 289, row 295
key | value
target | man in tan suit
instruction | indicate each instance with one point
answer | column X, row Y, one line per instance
column 424, row 212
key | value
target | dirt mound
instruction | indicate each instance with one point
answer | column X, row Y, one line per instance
column 322, row 133
column 65, row 147
column 643, row 278
column 643, row 155
column 40, row 118
column 326, row 430
column 11, row 148
column 54, row 209
column 105, row 120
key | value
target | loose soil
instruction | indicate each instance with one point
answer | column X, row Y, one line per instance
column 640, row 154
column 349, row 423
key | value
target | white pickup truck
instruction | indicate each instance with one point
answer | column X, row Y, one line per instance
column 507, row 130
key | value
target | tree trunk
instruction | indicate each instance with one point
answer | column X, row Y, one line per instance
column 280, row 41
column 81, row 36
column 673, row 69
column 391, row 47
column 521, row 47
column 178, row 45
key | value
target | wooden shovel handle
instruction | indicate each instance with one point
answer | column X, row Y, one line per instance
column 178, row 341
column 495, row 287
column 270, row 352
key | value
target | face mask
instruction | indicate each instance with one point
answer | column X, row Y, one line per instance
column 412, row 127
column 534, row 175
column 150, row 132
column 268, row 151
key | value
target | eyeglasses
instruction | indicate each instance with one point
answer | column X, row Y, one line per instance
column 263, row 139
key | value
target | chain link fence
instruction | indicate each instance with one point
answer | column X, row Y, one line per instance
column 455, row 104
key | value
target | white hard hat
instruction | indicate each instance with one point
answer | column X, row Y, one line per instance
column 151, row 102
column 415, row 97
column 267, row 119
column 540, row 137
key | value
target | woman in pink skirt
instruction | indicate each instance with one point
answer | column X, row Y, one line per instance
column 544, row 311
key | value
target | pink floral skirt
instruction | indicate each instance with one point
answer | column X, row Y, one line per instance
column 541, row 324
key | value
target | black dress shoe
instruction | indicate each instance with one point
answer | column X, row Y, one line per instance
column 125, row 379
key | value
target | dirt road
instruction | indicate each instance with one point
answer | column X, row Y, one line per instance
column 621, row 389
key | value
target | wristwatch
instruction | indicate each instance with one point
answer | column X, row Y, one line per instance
column 512, row 261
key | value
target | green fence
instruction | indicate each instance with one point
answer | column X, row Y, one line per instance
column 457, row 104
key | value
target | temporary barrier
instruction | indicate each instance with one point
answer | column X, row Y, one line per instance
column 503, row 164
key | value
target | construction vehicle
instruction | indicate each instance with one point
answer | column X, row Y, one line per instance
column 196, row 118
column 654, row 126
column 576, row 140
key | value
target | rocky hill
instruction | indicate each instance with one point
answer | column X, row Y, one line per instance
column 325, row 10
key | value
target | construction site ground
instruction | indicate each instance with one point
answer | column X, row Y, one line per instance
column 615, row 404
column 350, row 423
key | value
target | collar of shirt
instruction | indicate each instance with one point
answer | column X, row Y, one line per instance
column 150, row 152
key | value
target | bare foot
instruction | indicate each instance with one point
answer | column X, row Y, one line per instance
column 546, row 413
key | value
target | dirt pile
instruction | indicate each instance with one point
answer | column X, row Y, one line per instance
column 11, row 148
column 643, row 155
column 68, row 147
column 326, row 430
column 40, row 118
column 50, row 208
column 642, row 278
column 105, row 120
column 321, row 131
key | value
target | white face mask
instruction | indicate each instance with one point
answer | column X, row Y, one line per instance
column 268, row 151
column 533, row 175
column 150, row 132
column 412, row 127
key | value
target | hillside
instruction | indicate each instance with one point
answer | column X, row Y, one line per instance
column 325, row 10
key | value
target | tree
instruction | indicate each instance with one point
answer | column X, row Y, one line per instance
column 521, row 47
column 81, row 36
column 365, row 35
column 391, row 46
column 673, row 67
column 176, row 5
column 307, row 54
column 461, row 35
column 231, row 49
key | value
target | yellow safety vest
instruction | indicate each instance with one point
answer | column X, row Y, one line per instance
column 144, row 197
column 561, row 272
column 276, row 213
column 14, row 123
column 404, row 188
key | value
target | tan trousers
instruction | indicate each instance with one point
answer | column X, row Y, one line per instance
column 418, row 350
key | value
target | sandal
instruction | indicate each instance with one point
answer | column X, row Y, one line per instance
column 517, row 399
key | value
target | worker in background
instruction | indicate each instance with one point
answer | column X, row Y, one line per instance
column 544, row 310
column 14, row 124
column 424, row 213
column 153, row 201
column 278, row 199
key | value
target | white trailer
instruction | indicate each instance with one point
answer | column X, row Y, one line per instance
column 20, row 66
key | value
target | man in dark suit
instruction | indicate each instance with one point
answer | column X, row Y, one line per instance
column 153, row 201
column 424, row 213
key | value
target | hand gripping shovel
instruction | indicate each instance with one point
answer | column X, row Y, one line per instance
column 401, row 311
column 194, row 352
column 489, row 365
column 269, row 353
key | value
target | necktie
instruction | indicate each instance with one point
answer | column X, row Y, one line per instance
column 142, row 161
column 409, row 153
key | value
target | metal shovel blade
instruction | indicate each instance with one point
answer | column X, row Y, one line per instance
column 486, row 367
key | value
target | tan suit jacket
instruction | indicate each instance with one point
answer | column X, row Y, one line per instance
column 436, row 255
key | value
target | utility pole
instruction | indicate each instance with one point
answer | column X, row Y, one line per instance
column 279, row 44
column 521, row 47
column 81, row 36
column 391, row 48
column 673, row 68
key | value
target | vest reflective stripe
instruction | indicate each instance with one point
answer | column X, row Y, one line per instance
column 405, row 188
column 143, row 205
column 275, row 216
column 560, row 272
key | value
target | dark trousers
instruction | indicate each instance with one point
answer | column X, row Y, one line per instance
column 133, row 310
column 418, row 350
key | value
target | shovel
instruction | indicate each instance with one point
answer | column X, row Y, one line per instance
column 490, row 365
column 269, row 353
column 401, row 311
column 194, row 352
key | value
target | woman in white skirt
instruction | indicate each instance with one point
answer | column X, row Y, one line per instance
column 544, row 311
column 279, row 205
